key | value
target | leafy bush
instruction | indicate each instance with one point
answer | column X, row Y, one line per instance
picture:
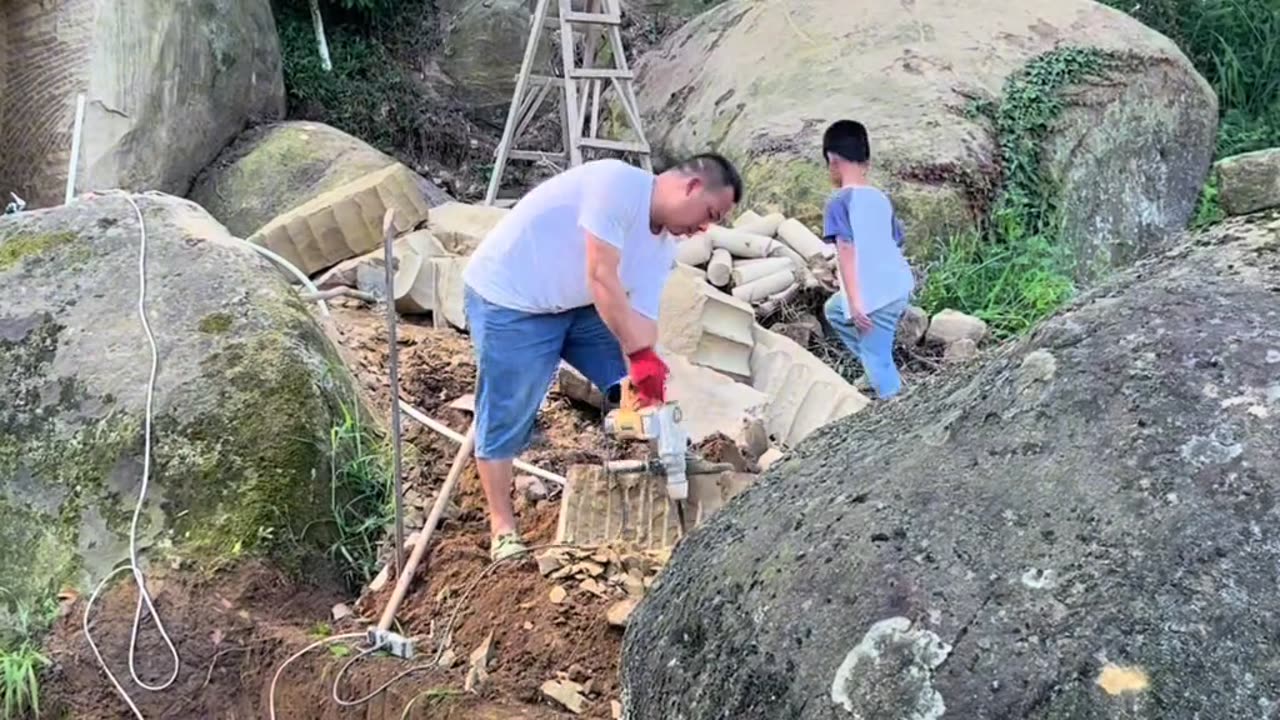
column 1235, row 44
column 1016, row 271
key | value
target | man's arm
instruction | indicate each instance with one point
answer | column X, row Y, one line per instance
column 633, row 330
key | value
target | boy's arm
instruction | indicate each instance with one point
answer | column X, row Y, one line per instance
column 838, row 228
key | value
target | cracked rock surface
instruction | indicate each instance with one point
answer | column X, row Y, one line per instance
column 1080, row 525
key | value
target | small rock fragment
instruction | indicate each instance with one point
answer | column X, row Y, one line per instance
column 949, row 326
column 528, row 625
column 615, row 708
column 593, row 587
column 548, row 563
column 448, row 659
column 913, row 326
column 558, row 595
column 532, row 488
column 567, row 693
column 340, row 611
column 576, row 673
column 478, row 671
column 620, row 612
column 771, row 456
column 960, row 351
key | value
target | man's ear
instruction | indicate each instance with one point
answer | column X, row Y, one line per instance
column 693, row 185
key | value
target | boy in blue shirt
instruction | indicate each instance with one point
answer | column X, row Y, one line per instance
column 875, row 279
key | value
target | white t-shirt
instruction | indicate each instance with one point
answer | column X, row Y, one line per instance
column 535, row 258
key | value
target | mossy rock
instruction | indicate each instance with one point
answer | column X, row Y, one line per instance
column 759, row 81
column 248, row 390
column 272, row 169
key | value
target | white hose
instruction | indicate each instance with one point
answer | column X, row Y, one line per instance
column 271, row 697
column 144, row 597
column 293, row 270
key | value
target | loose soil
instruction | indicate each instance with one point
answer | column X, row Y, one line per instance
column 233, row 629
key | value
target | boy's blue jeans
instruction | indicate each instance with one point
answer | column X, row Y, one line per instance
column 874, row 349
column 517, row 354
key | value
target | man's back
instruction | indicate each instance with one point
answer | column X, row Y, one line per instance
column 534, row 260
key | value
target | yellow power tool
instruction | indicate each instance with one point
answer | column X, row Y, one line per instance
column 659, row 425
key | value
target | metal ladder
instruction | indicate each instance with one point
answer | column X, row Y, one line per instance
column 581, row 88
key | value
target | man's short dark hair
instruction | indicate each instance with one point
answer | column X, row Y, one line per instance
column 847, row 139
column 715, row 170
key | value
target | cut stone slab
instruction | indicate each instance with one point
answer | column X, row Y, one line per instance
column 632, row 509
column 346, row 221
column 447, row 301
column 709, row 327
column 710, row 402
column 949, row 326
column 1250, row 182
column 805, row 393
column 460, row 226
column 573, row 384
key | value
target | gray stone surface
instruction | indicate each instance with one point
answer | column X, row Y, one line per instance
column 167, row 83
column 1079, row 527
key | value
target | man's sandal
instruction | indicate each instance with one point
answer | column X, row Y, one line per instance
column 507, row 546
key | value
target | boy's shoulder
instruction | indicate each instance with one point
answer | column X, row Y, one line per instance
column 845, row 194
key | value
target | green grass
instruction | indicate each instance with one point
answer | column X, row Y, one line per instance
column 1015, row 270
column 1235, row 44
column 21, row 660
column 1208, row 210
column 20, row 681
column 361, row 497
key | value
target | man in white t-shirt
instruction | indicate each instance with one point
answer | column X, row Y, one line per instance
column 575, row 272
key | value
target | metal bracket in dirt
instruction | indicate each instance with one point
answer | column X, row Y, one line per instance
column 394, row 643
column 17, row 206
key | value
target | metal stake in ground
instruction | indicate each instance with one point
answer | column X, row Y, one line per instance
column 388, row 231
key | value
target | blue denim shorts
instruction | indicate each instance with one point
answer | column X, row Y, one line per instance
column 517, row 355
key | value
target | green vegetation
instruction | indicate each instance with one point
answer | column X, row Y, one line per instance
column 215, row 323
column 370, row 93
column 361, row 497
column 14, row 249
column 1235, row 44
column 1014, row 271
column 21, row 661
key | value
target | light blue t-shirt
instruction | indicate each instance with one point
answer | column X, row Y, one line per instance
column 865, row 217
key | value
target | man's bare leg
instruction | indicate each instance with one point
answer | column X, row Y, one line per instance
column 496, row 478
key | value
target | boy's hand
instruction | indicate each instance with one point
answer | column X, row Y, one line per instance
column 859, row 318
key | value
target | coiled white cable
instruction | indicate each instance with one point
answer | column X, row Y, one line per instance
column 144, row 597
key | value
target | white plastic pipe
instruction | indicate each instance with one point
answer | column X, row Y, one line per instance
column 301, row 276
column 456, row 436
column 73, row 163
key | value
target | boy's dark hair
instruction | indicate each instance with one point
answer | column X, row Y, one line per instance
column 847, row 139
column 715, row 170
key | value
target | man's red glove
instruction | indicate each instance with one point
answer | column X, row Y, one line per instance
column 648, row 376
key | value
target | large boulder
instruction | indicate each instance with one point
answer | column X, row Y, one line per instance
column 1077, row 528
column 760, row 80
column 484, row 42
column 272, row 169
column 248, row 391
column 167, row 85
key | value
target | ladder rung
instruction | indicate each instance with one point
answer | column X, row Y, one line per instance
column 536, row 156
column 593, row 18
column 600, row 73
column 615, row 145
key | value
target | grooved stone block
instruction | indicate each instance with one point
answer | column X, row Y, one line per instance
column 709, row 327
column 346, row 221
column 601, row 508
column 806, row 393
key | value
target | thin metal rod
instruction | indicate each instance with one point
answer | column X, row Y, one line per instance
column 74, row 162
column 393, row 357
